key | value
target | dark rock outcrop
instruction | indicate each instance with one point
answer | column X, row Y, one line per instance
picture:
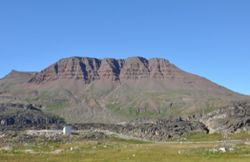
column 229, row 119
column 158, row 130
column 20, row 116
column 7, row 106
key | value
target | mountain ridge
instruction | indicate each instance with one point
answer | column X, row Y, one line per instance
column 95, row 69
column 89, row 69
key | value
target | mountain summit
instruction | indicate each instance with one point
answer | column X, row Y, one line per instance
column 83, row 89
column 91, row 69
column 122, row 70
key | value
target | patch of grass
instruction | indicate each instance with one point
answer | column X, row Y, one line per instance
column 121, row 151
column 129, row 141
column 199, row 136
column 241, row 135
column 134, row 113
column 56, row 106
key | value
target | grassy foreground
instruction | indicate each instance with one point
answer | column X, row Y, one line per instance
column 116, row 150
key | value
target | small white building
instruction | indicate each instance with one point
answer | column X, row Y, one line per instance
column 67, row 130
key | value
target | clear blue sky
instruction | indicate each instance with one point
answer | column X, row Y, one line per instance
column 206, row 37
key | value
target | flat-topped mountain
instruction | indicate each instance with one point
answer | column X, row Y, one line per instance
column 122, row 70
column 83, row 89
column 91, row 69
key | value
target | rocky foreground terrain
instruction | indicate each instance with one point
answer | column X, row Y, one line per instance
column 230, row 119
column 20, row 117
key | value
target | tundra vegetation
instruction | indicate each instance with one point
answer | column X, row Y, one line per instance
column 198, row 147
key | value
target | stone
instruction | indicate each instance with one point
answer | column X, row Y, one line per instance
column 222, row 149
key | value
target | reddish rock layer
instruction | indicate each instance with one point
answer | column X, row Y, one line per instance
column 90, row 69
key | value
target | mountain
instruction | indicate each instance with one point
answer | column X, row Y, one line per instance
column 83, row 89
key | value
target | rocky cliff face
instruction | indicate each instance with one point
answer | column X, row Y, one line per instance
column 19, row 116
column 232, row 118
column 91, row 69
